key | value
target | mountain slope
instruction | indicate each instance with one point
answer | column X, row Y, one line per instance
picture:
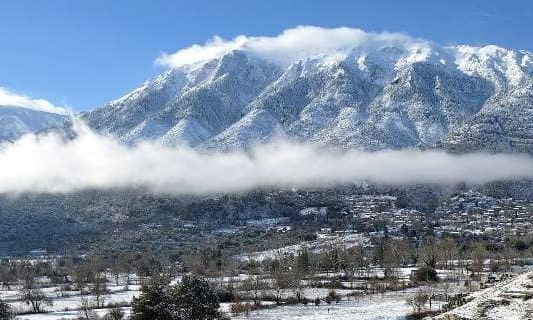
column 415, row 95
column 187, row 105
column 507, row 300
column 17, row 121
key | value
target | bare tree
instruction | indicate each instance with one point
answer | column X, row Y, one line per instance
column 448, row 250
column 8, row 274
column 98, row 289
column 478, row 255
column 86, row 312
column 429, row 253
column 35, row 297
column 355, row 262
column 281, row 274
column 114, row 314
column 255, row 284
column 417, row 301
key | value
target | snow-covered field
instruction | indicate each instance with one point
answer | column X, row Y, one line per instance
column 509, row 300
column 323, row 243
column 390, row 306
column 67, row 307
column 378, row 306
column 57, row 315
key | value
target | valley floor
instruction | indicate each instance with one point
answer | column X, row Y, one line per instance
column 390, row 306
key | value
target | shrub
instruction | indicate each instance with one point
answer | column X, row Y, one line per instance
column 225, row 295
column 114, row 314
column 6, row 313
column 239, row 307
column 332, row 296
column 334, row 284
column 425, row 274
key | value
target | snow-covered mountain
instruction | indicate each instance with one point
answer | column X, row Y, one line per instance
column 392, row 95
column 17, row 121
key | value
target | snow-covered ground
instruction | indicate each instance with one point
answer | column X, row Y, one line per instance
column 324, row 242
column 60, row 315
column 509, row 300
column 390, row 306
column 67, row 307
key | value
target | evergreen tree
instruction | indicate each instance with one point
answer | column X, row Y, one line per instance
column 153, row 304
column 196, row 299
column 192, row 299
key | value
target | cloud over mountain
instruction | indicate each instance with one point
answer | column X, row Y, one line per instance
column 339, row 87
column 51, row 164
column 9, row 98
column 291, row 45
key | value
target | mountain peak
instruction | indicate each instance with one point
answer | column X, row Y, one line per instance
column 342, row 87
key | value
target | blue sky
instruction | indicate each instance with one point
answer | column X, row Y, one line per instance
column 84, row 53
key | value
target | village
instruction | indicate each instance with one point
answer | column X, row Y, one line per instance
column 467, row 215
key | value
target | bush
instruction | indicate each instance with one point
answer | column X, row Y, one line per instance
column 292, row 300
column 239, row 307
column 418, row 302
column 114, row 314
column 225, row 295
column 332, row 296
column 334, row 284
column 6, row 313
column 425, row 274
column 66, row 287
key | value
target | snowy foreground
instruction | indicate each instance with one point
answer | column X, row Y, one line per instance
column 390, row 306
column 509, row 300
column 67, row 315
column 68, row 307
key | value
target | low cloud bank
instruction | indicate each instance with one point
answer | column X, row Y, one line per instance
column 49, row 164
column 292, row 44
column 9, row 98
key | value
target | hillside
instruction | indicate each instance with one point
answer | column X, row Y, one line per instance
column 391, row 95
column 17, row 121
column 508, row 300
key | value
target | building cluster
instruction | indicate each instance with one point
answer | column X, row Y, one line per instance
column 381, row 214
column 467, row 214
column 473, row 213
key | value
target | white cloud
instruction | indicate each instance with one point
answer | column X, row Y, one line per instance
column 49, row 164
column 291, row 45
column 9, row 98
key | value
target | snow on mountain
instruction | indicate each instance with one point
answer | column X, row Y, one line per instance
column 17, row 121
column 371, row 91
column 188, row 105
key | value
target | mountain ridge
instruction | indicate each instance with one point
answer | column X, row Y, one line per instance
column 392, row 97
column 17, row 121
column 382, row 92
